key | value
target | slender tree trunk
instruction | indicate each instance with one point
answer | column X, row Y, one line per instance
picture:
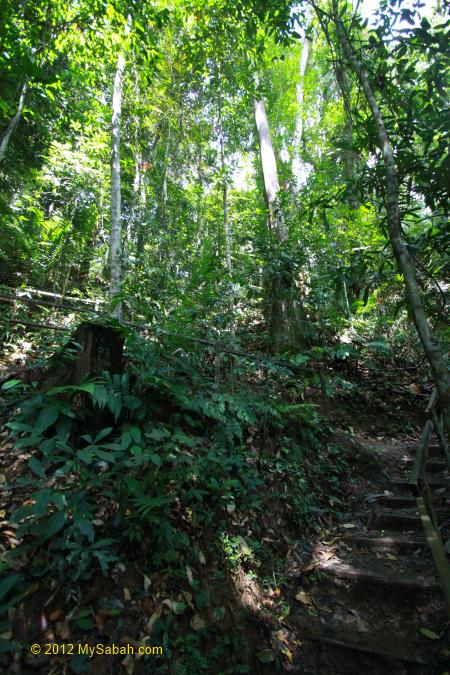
column 298, row 139
column 348, row 154
column 226, row 223
column 115, row 242
column 163, row 213
column 13, row 122
column 406, row 266
column 137, row 179
column 201, row 230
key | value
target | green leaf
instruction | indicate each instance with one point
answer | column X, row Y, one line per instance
column 157, row 434
column 106, row 456
column 37, row 468
column 136, row 435
column 11, row 384
column 86, row 455
column 266, row 656
column 51, row 525
column 7, row 584
column 85, row 526
column 46, row 418
column 102, row 434
column 179, row 607
column 430, row 634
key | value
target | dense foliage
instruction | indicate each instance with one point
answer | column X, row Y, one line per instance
column 201, row 432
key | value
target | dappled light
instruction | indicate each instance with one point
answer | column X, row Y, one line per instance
column 224, row 383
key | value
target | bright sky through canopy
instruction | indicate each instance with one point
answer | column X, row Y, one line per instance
column 368, row 8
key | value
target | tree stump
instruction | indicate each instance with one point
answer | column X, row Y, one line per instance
column 93, row 349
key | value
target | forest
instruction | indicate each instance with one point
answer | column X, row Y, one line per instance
column 224, row 381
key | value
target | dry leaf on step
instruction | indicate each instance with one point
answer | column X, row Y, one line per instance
column 304, row 598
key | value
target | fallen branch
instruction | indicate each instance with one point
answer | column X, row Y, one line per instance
column 33, row 324
column 19, row 291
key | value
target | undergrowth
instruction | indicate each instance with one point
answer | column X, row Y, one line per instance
column 166, row 471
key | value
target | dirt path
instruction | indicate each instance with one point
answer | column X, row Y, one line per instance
column 366, row 598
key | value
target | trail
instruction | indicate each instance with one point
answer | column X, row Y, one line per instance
column 367, row 598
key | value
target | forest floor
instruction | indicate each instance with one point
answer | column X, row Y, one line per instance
column 355, row 591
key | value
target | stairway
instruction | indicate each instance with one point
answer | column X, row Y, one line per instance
column 373, row 600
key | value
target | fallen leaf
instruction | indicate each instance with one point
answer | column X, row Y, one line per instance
column 197, row 623
column 189, row 574
column 128, row 664
column 287, row 652
column 304, row 598
column 152, row 620
column 62, row 629
column 55, row 614
column 147, row 583
column 188, row 598
column 282, row 636
column 126, row 595
column 327, row 555
column 348, row 526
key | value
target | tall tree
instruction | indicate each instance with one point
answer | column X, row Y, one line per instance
column 115, row 241
column 285, row 310
column 406, row 266
column 13, row 122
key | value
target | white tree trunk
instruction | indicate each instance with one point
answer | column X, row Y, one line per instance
column 115, row 241
column 285, row 314
column 414, row 302
column 269, row 170
column 13, row 122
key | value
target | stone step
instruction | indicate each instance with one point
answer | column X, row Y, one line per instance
column 393, row 501
column 432, row 465
column 434, row 451
column 385, row 540
column 409, row 648
column 402, row 484
column 376, row 572
column 394, row 520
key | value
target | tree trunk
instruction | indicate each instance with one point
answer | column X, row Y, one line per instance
column 137, row 178
column 226, row 222
column 13, row 122
column 284, row 310
column 348, row 154
column 405, row 264
column 296, row 164
column 270, row 173
column 115, row 242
